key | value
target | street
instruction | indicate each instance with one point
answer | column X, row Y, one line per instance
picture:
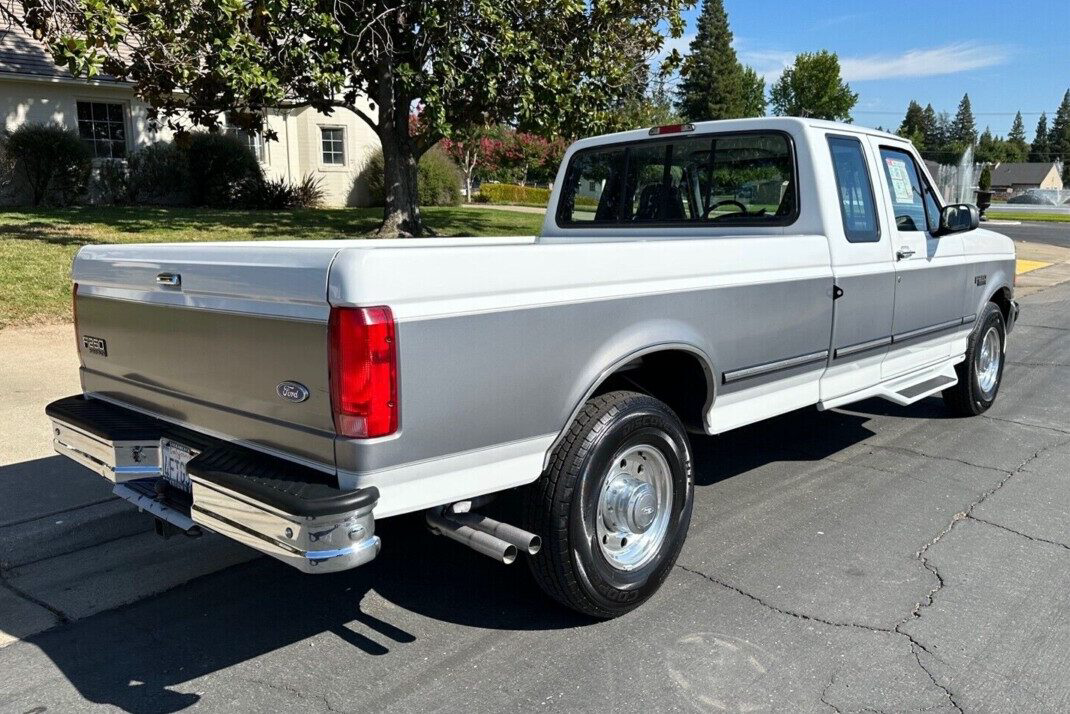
column 1048, row 233
column 874, row 557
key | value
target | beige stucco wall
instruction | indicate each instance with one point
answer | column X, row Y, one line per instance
column 295, row 153
column 45, row 102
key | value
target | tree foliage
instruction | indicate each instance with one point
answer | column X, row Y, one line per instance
column 549, row 66
column 812, row 87
column 1040, row 149
column 1059, row 138
column 714, row 84
column 963, row 127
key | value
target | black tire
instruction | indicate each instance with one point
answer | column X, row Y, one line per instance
column 563, row 505
column 967, row 398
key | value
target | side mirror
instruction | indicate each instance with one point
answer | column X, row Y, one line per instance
column 959, row 217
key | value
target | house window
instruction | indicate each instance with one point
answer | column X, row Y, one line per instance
column 332, row 141
column 102, row 127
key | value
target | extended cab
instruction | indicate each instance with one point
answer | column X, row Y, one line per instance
column 691, row 278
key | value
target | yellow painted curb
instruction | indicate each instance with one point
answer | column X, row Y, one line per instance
column 1026, row 266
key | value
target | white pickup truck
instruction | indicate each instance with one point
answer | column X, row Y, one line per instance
column 690, row 278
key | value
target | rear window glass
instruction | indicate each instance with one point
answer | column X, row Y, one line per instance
column 721, row 179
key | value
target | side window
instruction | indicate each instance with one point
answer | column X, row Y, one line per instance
column 855, row 190
column 905, row 186
column 592, row 188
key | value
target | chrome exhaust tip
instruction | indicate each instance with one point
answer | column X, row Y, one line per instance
column 522, row 539
column 478, row 540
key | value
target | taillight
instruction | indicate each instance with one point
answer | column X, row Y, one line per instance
column 671, row 129
column 364, row 375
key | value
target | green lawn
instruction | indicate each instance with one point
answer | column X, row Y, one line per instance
column 37, row 246
column 1028, row 216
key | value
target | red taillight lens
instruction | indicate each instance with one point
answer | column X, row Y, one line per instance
column 364, row 375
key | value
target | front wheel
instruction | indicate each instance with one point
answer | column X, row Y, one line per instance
column 981, row 372
column 614, row 506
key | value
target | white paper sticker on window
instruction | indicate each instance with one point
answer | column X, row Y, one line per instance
column 902, row 190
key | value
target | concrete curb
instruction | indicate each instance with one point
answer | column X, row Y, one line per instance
column 69, row 531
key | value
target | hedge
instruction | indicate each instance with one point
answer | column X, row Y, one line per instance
column 511, row 194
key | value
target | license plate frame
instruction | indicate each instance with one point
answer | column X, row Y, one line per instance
column 173, row 460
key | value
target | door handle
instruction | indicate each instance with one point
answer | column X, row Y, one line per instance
column 904, row 252
column 172, row 279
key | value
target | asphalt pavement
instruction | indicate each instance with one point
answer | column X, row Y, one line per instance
column 1047, row 233
column 872, row 558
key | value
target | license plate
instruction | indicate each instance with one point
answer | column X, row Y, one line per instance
column 173, row 460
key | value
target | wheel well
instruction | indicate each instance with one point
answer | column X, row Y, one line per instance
column 677, row 377
column 1002, row 299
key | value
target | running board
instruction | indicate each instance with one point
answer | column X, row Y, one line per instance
column 904, row 390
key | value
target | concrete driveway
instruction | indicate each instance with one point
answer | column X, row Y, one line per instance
column 870, row 558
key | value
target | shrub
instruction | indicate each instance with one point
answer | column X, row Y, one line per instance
column 985, row 182
column 159, row 173
column 7, row 166
column 223, row 171
column 110, row 183
column 507, row 193
column 438, row 179
column 280, row 194
column 53, row 163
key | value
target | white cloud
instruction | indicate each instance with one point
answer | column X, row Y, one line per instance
column 949, row 59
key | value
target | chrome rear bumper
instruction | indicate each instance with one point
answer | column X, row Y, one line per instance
column 286, row 510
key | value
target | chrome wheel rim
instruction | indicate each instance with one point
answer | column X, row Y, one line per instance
column 987, row 362
column 634, row 504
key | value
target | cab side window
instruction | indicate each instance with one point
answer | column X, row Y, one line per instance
column 914, row 202
column 855, row 190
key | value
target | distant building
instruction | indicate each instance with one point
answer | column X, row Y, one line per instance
column 1013, row 179
column 114, row 123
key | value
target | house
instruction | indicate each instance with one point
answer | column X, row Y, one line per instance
column 1016, row 178
column 115, row 124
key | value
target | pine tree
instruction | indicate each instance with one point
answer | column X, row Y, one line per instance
column 932, row 139
column 963, row 128
column 1017, row 148
column 913, row 126
column 1040, row 150
column 715, row 85
column 1059, row 138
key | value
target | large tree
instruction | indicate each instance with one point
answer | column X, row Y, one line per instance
column 913, row 126
column 1059, row 138
column 812, row 87
column 714, row 84
column 1017, row 148
column 963, row 127
column 549, row 66
column 1040, row 149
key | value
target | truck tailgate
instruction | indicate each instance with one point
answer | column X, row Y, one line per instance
column 203, row 335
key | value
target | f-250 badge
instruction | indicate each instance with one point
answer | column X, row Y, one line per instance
column 95, row 345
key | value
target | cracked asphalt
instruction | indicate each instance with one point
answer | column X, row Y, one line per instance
column 873, row 558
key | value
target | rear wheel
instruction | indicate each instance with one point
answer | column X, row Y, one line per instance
column 981, row 372
column 614, row 506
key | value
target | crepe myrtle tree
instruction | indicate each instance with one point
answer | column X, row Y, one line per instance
column 548, row 66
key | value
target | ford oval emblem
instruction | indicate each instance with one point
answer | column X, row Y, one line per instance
column 292, row 391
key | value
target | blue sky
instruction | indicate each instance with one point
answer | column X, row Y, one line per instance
column 1009, row 56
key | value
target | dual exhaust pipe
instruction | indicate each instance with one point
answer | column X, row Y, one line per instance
column 498, row 540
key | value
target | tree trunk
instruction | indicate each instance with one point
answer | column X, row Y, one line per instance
column 401, row 154
column 401, row 211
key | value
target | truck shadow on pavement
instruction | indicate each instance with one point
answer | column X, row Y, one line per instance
column 130, row 657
